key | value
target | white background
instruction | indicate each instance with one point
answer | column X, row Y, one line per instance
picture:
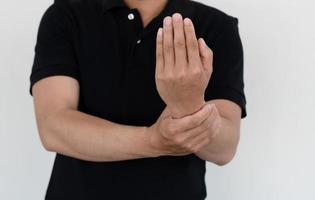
column 275, row 159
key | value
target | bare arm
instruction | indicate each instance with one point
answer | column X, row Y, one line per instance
column 225, row 123
column 66, row 130
column 182, row 77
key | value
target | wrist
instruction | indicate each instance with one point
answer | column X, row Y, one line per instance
column 177, row 113
column 151, row 142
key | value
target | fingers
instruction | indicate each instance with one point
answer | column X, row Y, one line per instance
column 198, row 142
column 191, row 121
column 179, row 41
column 159, row 52
column 206, row 55
column 194, row 132
column 191, row 43
column 168, row 46
column 194, row 139
column 180, row 44
column 197, row 138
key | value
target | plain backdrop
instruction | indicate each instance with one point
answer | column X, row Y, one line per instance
column 275, row 158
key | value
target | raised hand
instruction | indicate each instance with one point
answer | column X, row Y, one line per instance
column 183, row 66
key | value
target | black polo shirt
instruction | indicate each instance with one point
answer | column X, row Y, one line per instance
column 103, row 45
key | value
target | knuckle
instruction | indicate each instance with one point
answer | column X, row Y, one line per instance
column 178, row 140
column 193, row 45
column 159, row 77
column 159, row 54
column 172, row 129
column 179, row 43
column 168, row 48
column 168, row 77
column 187, row 146
column 195, row 150
column 196, row 72
column 181, row 75
column 172, row 79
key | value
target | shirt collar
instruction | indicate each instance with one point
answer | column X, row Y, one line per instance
column 109, row 4
column 181, row 6
column 171, row 6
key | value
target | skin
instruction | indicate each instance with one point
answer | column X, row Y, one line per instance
column 182, row 74
column 183, row 70
column 208, row 129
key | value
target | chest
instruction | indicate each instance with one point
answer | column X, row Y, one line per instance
column 117, row 72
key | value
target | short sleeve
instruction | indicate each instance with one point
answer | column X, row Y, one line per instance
column 54, row 49
column 227, row 81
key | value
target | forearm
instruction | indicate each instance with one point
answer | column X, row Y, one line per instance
column 222, row 148
column 86, row 137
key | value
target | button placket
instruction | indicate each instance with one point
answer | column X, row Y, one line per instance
column 131, row 16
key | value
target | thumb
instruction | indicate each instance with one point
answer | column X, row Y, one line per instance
column 206, row 55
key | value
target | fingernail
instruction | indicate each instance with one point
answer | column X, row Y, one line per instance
column 177, row 17
column 167, row 21
column 203, row 42
column 187, row 21
column 160, row 32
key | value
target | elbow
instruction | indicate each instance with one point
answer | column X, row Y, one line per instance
column 46, row 141
column 227, row 155
column 46, row 137
column 225, row 159
column 48, row 147
column 47, row 131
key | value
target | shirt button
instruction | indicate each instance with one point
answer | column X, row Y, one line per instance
column 139, row 41
column 131, row 16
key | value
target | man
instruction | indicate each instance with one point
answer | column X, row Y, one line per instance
column 135, row 96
